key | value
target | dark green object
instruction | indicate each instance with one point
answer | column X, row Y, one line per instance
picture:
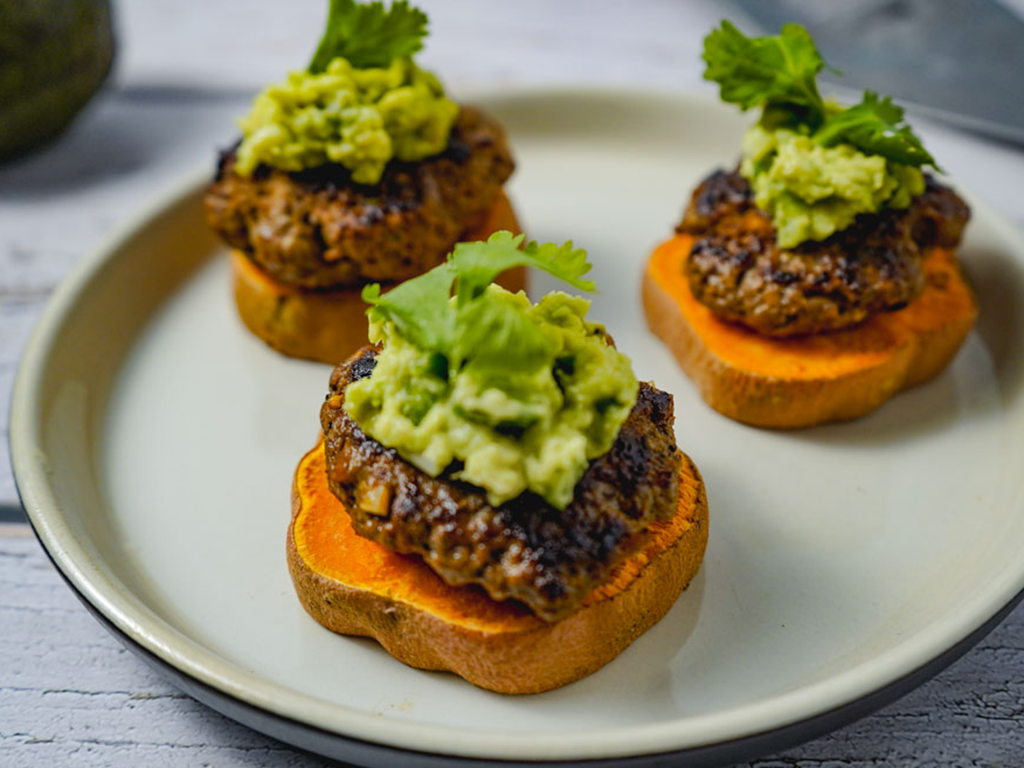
column 780, row 73
column 369, row 35
column 875, row 127
column 54, row 55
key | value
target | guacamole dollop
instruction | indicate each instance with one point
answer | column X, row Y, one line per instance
column 358, row 117
column 811, row 191
column 531, row 428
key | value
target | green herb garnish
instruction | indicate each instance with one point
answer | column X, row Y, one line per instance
column 369, row 35
column 505, row 394
column 477, row 325
column 779, row 73
column 776, row 71
column 876, row 127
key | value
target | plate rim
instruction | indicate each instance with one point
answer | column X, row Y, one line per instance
column 187, row 655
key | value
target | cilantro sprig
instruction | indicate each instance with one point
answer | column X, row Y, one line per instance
column 779, row 74
column 369, row 35
column 756, row 71
column 875, row 126
column 478, row 325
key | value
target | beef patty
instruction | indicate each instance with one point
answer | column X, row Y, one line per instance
column 319, row 229
column 523, row 549
column 738, row 271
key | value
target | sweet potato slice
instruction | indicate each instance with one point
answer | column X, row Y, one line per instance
column 328, row 326
column 802, row 381
column 354, row 586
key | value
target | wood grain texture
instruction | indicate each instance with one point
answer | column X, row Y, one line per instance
column 69, row 694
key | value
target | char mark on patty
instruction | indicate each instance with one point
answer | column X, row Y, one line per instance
column 317, row 229
column 737, row 269
column 524, row 549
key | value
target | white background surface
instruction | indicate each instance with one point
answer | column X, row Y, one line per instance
column 68, row 694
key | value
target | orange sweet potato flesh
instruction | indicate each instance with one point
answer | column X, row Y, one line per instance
column 799, row 382
column 328, row 326
column 355, row 586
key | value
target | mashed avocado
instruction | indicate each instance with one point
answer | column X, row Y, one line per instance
column 361, row 118
column 534, row 427
column 812, row 191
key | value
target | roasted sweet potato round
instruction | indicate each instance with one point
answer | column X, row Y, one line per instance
column 355, row 586
column 802, row 381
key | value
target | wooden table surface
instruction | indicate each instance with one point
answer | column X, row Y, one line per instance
column 69, row 694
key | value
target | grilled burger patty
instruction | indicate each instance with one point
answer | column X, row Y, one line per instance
column 524, row 549
column 318, row 229
column 738, row 271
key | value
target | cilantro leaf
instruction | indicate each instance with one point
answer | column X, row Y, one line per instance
column 756, row 71
column 477, row 325
column 875, row 126
column 780, row 73
column 495, row 334
column 418, row 308
column 478, row 264
column 369, row 35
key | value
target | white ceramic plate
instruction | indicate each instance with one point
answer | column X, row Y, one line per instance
column 154, row 441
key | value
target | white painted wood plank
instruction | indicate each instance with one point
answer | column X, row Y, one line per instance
column 71, row 695
column 470, row 42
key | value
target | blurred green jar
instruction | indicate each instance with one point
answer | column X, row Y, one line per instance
column 54, row 55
